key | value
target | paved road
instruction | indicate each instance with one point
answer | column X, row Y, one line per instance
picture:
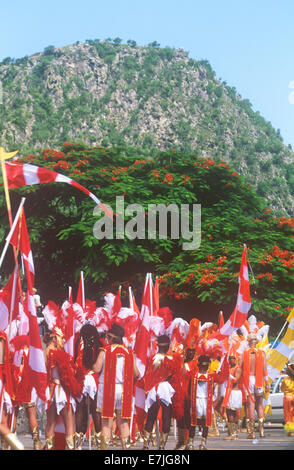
column 275, row 439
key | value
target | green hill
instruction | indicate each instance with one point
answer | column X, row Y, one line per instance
column 108, row 93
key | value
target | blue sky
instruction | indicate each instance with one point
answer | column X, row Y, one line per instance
column 249, row 44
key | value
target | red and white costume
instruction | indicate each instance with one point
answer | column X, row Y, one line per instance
column 7, row 392
column 65, row 379
column 116, row 381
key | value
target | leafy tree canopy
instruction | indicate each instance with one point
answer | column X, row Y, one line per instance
column 198, row 282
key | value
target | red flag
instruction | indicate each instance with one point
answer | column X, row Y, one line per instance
column 143, row 335
column 132, row 302
column 24, row 174
column 81, row 292
column 221, row 320
column 36, row 357
column 243, row 305
column 9, row 301
column 68, row 314
column 116, row 304
column 156, row 297
column 20, row 239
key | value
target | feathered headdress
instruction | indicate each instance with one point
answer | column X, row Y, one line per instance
column 167, row 315
column 193, row 333
column 129, row 320
column 54, row 318
column 209, row 347
column 178, row 331
column 252, row 326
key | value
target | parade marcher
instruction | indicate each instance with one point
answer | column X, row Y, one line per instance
column 117, row 370
column 9, row 438
column 25, row 393
column 213, row 367
column 201, row 389
column 233, row 398
column 287, row 387
column 185, row 431
column 40, row 317
column 255, row 381
column 65, row 384
column 160, row 370
column 86, row 352
column 7, row 393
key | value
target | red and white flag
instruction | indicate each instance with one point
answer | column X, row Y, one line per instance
column 20, row 239
column 142, row 349
column 142, row 344
column 81, row 292
column 24, row 174
column 132, row 302
column 9, row 305
column 156, row 297
column 69, row 334
column 243, row 305
column 37, row 365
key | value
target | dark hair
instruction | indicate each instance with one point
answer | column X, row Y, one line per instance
column 117, row 330
column 47, row 338
column 92, row 343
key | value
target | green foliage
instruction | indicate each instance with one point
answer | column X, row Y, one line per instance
column 196, row 282
column 152, row 97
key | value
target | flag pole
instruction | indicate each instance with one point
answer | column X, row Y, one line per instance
column 11, row 231
column 276, row 340
column 131, row 301
column 83, row 289
column 4, row 156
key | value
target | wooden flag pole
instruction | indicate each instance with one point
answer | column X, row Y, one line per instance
column 4, row 156
column 8, row 238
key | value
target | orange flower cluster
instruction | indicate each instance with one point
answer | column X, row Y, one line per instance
column 155, row 174
column 221, row 260
column 61, row 164
column 284, row 256
column 208, row 279
column 168, row 178
column 82, row 163
column 51, row 153
column 206, row 163
column 186, row 178
column 268, row 275
column 118, row 170
column 286, row 221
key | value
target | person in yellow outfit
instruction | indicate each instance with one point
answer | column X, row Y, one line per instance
column 287, row 387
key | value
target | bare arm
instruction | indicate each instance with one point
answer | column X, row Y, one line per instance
column 97, row 367
column 266, row 385
column 136, row 370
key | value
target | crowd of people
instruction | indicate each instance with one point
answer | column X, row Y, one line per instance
column 190, row 377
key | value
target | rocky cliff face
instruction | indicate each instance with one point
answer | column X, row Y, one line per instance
column 103, row 93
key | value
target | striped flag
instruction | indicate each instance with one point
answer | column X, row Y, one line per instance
column 142, row 349
column 279, row 356
column 143, row 336
column 243, row 304
column 81, row 292
column 9, row 305
column 24, row 174
column 36, row 357
column 20, row 239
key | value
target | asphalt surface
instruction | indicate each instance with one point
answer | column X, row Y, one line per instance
column 275, row 439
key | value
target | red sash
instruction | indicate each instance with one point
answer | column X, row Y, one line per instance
column 259, row 374
column 111, row 354
column 194, row 383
